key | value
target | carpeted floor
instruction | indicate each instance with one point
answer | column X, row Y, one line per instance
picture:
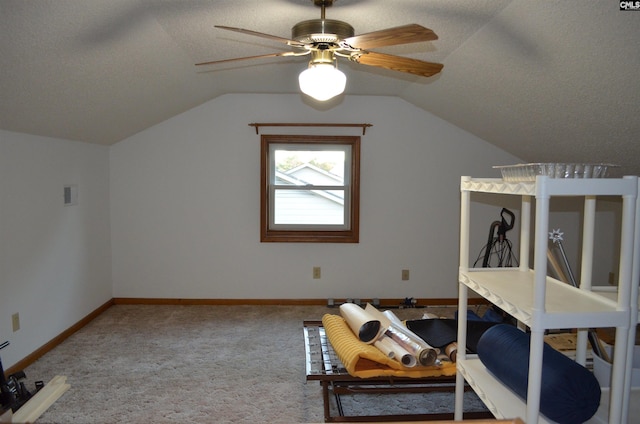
column 200, row 364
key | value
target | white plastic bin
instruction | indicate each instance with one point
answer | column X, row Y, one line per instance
column 602, row 369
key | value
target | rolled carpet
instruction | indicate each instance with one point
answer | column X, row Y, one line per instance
column 570, row 393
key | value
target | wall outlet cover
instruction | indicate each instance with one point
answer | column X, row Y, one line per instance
column 15, row 322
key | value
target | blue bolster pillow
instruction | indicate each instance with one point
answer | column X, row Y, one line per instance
column 570, row 393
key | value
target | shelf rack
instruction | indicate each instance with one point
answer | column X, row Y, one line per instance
column 542, row 302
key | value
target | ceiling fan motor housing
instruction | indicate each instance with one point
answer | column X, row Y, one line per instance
column 321, row 31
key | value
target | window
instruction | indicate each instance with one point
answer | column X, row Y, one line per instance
column 310, row 188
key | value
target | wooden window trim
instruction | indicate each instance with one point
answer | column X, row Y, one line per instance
column 352, row 235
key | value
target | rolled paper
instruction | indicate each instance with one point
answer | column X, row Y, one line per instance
column 425, row 354
column 406, row 358
column 392, row 317
column 452, row 351
column 376, row 314
column 363, row 324
column 385, row 346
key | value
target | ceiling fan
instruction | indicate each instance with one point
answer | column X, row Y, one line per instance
column 326, row 39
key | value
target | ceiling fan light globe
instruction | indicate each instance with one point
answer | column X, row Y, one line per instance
column 322, row 81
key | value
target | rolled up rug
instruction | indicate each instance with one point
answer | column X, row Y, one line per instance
column 569, row 393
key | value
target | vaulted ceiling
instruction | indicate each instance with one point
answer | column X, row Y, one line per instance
column 548, row 81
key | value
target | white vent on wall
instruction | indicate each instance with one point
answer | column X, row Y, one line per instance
column 70, row 195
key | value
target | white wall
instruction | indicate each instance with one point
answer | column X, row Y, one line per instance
column 174, row 212
column 185, row 204
column 55, row 261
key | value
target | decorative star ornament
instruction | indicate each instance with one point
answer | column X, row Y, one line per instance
column 556, row 235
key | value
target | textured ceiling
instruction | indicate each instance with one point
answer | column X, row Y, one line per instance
column 545, row 80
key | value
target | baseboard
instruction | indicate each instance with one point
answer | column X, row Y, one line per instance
column 31, row 358
column 285, row 302
column 213, row 302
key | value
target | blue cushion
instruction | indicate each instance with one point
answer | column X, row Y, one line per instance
column 570, row 394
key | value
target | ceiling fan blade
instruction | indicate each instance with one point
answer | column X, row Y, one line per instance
column 405, row 34
column 260, row 34
column 248, row 58
column 398, row 63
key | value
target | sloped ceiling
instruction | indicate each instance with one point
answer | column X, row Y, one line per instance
column 545, row 80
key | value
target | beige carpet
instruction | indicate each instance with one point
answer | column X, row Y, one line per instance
column 200, row 364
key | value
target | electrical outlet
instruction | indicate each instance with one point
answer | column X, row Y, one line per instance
column 316, row 272
column 405, row 275
column 15, row 320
